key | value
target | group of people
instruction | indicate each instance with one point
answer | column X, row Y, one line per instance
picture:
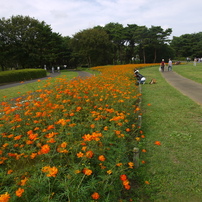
column 163, row 64
column 141, row 79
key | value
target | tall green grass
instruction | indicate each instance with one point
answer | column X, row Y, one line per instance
column 173, row 169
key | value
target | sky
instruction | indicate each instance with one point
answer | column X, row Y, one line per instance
column 68, row 17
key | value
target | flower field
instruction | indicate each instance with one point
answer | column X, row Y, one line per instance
column 72, row 141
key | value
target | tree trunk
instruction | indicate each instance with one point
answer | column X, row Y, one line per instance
column 154, row 55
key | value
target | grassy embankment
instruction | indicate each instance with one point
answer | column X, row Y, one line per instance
column 173, row 168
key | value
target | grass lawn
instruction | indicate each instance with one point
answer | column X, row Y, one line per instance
column 173, row 168
column 190, row 71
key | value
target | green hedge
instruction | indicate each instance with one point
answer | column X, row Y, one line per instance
column 21, row 75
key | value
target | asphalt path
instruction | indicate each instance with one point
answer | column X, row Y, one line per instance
column 186, row 86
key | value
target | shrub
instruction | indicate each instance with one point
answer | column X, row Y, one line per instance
column 21, row 75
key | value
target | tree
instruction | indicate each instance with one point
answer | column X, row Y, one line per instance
column 26, row 42
column 92, row 46
column 158, row 37
column 130, row 41
column 142, row 39
column 188, row 45
column 117, row 37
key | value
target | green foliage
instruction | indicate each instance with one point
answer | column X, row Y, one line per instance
column 21, row 75
column 173, row 168
column 188, row 45
column 71, row 139
column 25, row 42
column 92, row 47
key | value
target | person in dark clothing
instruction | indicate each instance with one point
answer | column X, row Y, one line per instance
column 140, row 78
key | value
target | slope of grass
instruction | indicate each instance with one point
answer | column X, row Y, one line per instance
column 173, row 168
column 190, row 71
column 17, row 91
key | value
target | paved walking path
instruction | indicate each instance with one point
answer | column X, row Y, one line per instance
column 186, row 86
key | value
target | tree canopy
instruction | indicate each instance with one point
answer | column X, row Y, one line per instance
column 26, row 43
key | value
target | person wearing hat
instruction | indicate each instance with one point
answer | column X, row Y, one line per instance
column 140, row 78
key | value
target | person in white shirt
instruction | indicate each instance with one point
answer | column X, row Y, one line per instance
column 170, row 64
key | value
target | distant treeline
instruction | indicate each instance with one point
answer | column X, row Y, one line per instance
column 26, row 42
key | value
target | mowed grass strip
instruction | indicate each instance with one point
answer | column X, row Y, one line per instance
column 173, row 168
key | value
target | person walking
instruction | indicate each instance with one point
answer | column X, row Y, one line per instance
column 162, row 65
column 195, row 60
column 170, row 63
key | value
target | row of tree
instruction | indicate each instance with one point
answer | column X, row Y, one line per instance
column 26, row 43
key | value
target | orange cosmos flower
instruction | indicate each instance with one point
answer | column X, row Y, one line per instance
column 5, row 145
column 127, row 186
column 9, row 172
column 29, row 142
column 92, row 125
column 123, row 177
column 80, row 154
column 147, row 182
column 157, row 143
column 19, row 192
column 45, row 149
column 4, row 197
column 87, row 171
column 131, row 164
column 127, row 129
column 63, row 145
column 119, row 164
column 89, row 154
column 144, row 150
column 30, row 132
column 52, row 172
column 51, row 140
column 17, row 137
column 50, row 127
column 109, row 172
column 78, row 109
column 23, row 182
column 95, row 196
column 33, row 155
column 106, row 128
column 33, row 136
column 125, row 182
column 102, row 158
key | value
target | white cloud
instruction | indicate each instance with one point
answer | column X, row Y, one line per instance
column 70, row 16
